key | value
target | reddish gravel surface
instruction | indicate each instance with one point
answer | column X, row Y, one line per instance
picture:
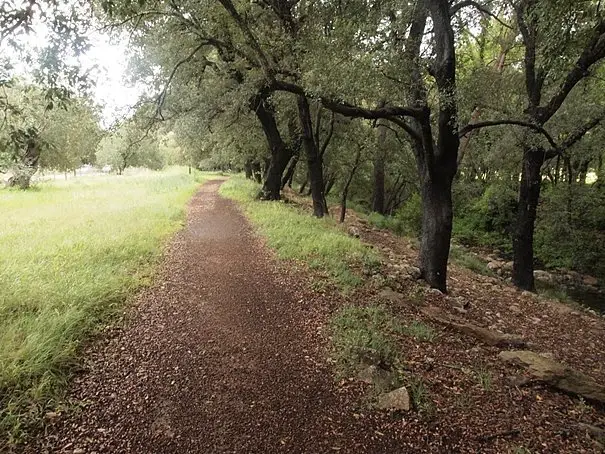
column 222, row 354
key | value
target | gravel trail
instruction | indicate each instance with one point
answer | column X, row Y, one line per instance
column 222, row 354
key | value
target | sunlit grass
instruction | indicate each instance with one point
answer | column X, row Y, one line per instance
column 297, row 235
column 70, row 255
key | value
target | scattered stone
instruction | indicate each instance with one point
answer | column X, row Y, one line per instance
column 382, row 379
column 493, row 266
column 527, row 294
column 556, row 374
column 435, row 291
column 543, row 276
column 590, row 281
column 507, row 267
column 398, row 399
column 411, row 272
column 391, row 296
column 354, row 232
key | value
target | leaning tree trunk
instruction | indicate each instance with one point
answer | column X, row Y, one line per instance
column 257, row 172
column 437, row 214
column 248, row 169
column 345, row 191
column 313, row 158
column 523, row 237
column 280, row 154
column 289, row 175
column 379, row 158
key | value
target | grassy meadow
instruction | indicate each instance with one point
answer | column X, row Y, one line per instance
column 71, row 252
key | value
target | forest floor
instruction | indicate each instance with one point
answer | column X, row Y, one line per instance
column 228, row 352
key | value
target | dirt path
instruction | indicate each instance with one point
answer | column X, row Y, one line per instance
column 221, row 355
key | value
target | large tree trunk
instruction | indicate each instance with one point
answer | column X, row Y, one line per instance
column 379, row 158
column 25, row 170
column 523, row 237
column 248, row 169
column 437, row 214
column 313, row 158
column 280, row 154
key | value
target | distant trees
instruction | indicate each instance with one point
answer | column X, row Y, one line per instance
column 35, row 133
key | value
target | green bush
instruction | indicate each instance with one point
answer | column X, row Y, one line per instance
column 488, row 220
column 407, row 221
column 410, row 215
column 363, row 335
column 570, row 228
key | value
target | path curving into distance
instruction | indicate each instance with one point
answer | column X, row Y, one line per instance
column 221, row 355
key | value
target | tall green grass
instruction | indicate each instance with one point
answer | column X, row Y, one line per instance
column 70, row 254
column 295, row 234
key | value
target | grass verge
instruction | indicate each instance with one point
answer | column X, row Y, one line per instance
column 297, row 235
column 70, row 254
column 364, row 336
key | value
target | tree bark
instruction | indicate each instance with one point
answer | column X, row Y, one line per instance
column 248, row 169
column 523, row 237
column 313, row 159
column 256, row 171
column 289, row 175
column 303, row 186
column 279, row 152
column 379, row 169
column 345, row 191
column 437, row 214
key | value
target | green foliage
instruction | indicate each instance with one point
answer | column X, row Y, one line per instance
column 570, row 227
column 32, row 135
column 407, row 221
column 70, row 255
column 462, row 257
column 410, row 215
column 296, row 235
column 420, row 331
column 488, row 219
column 363, row 336
column 421, row 397
column 484, row 378
column 130, row 146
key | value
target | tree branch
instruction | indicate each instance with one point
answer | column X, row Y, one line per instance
column 324, row 147
column 576, row 136
column 162, row 97
column 592, row 53
column 485, row 124
column 466, row 3
column 350, row 110
column 252, row 41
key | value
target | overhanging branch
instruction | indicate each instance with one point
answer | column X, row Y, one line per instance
column 350, row 110
column 466, row 3
column 486, row 124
